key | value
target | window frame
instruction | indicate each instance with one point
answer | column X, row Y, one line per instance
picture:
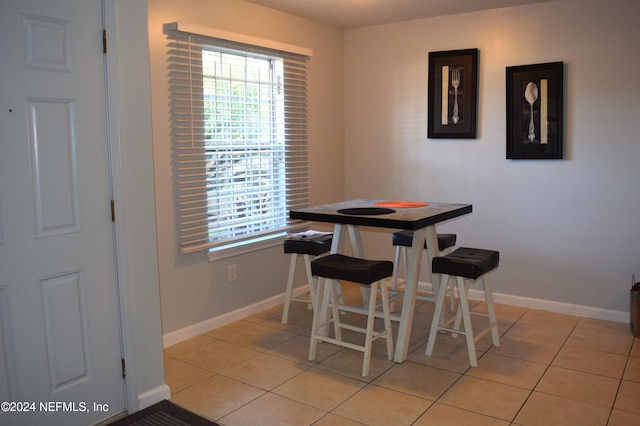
column 189, row 145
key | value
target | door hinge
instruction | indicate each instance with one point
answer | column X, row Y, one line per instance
column 104, row 41
column 124, row 369
column 113, row 211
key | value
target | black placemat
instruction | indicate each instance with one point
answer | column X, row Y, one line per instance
column 366, row 211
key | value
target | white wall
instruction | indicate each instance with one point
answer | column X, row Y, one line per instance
column 194, row 291
column 568, row 231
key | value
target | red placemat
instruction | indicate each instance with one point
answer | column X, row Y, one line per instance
column 401, row 204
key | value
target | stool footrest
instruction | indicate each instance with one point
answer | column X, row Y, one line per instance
column 484, row 331
column 353, row 346
column 476, row 336
column 374, row 336
column 304, row 297
column 365, row 311
column 421, row 293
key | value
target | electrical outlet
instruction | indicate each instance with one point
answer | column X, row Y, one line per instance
column 231, row 273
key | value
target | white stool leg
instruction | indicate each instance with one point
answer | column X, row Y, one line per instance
column 394, row 277
column 323, row 307
column 386, row 312
column 456, row 325
column 316, row 318
column 307, row 264
column 322, row 290
column 287, row 296
column 452, row 290
column 452, row 297
column 373, row 293
column 488, row 296
column 466, row 321
column 405, row 262
column 330, row 286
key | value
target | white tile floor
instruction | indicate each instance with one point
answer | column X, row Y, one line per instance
column 551, row 369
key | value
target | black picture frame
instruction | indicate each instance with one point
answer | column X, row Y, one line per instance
column 535, row 102
column 448, row 90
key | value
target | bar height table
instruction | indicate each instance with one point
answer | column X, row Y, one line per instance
column 348, row 216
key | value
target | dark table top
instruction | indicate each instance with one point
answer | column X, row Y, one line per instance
column 401, row 218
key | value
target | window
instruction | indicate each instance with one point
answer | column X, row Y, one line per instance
column 238, row 116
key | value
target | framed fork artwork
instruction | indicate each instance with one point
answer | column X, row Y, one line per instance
column 535, row 111
column 453, row 94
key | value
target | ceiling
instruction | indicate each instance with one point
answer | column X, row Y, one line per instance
column 360, row 13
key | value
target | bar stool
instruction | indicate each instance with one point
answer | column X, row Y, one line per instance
column 307, row 248
column 403, row 240
column 367, row 273
column 467, row 265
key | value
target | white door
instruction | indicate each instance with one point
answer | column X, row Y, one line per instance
column 60, row 350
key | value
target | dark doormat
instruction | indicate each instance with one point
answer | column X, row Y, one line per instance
column 164, row 413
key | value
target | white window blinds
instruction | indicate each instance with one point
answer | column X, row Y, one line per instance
column 239, row 135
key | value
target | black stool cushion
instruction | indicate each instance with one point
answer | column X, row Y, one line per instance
column 405, row 239
column 315, row 246
column 361, row 271
column 466, row 262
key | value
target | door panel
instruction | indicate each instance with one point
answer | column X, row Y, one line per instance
column 59, row 321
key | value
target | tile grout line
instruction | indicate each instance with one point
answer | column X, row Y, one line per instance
column 533, row 389
column 267, row 322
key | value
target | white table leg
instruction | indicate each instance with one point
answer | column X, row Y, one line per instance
column 432, row 251
column 356, row 241
column 358, row 251
column 411, row 286
column 409, row 301
column 338, row 238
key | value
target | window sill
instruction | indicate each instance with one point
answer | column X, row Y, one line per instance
column 245, row 247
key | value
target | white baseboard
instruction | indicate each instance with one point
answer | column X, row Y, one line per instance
column 548, row 305
column 153, row 396
column 552, row 306
column 211, row 324
column 507, row 299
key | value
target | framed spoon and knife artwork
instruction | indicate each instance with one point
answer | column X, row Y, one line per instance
column 535, row 111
